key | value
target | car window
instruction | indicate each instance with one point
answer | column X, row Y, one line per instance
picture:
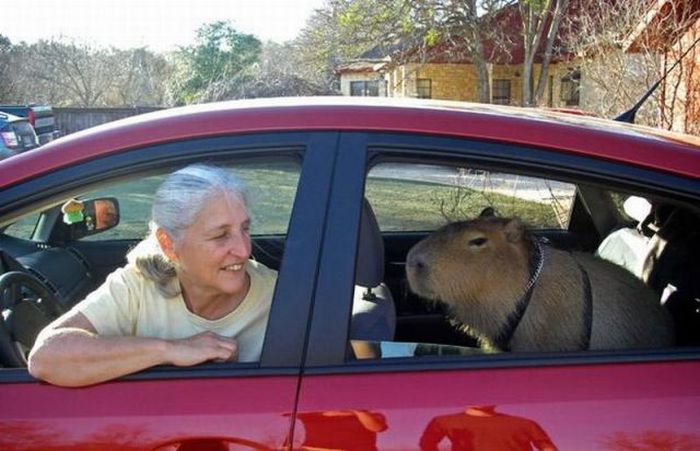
column 431, row 195
column 271, row 190
column 459, row 295
column 24, row 227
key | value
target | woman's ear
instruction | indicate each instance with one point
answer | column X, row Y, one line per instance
column 166, row 244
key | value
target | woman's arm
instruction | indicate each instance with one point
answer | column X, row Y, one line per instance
column 70, row 353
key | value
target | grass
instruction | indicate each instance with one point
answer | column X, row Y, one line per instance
column 408, row 205
column 400, row 205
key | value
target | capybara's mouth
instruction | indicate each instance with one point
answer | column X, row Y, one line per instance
column 418, row 282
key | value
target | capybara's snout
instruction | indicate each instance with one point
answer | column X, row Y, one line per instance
column 416, row 261
column 418, row 268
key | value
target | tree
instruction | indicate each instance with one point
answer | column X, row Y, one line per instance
column 335, row 34
column 220, row 53
column 5, row 68
column 541, row 20
column 276, row 74
column 617, row 69
column 67, row 74
column 142, row 80
column 450, row 30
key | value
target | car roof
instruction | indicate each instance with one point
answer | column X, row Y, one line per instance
column 7, row 117
column 569, row 133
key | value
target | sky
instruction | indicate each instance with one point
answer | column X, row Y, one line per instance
column 160, row 25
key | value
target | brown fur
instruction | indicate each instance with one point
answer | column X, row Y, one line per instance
column 480, row 269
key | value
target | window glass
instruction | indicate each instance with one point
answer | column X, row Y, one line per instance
column 501, row 92
column 357, row 88
column 24, row 227
column 271, row 190
column 364, row 88
column 418, row 197
column 463, row 293
column 570, row 88
column 424, row 88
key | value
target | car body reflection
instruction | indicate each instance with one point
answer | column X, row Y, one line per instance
column 482, row 428
column 341, row 429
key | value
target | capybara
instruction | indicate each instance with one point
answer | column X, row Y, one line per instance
column 514, row 293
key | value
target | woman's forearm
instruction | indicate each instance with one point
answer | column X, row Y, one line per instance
column 74, row 357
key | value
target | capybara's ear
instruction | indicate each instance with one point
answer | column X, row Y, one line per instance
column 487, row 212
column 514, row 230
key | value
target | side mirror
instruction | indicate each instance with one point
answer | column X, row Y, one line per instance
column 89, row 216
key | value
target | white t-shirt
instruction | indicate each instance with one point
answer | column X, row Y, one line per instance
column 128, row 304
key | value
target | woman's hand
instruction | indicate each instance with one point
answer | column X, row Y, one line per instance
column 201, row 348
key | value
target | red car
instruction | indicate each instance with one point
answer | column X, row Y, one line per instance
column 319, row 171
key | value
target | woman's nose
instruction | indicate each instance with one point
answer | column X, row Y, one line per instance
column 239, row 245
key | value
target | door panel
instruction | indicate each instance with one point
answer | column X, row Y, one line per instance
column 626, row 399
column 205, row 407
column 613, row 406
column 250, row 412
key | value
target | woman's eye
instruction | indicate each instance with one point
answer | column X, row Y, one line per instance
column 477, row 241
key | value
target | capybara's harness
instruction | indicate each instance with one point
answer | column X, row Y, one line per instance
column 513, row 321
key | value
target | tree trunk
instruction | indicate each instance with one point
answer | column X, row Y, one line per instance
column 558, row 13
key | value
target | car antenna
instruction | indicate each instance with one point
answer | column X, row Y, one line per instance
column 628, row 116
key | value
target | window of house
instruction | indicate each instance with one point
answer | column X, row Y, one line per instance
column 424, row 88
column 500, row 92
column 571, row 88
column 367, row 88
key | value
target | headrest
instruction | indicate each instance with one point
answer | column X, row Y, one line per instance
column 369, row 266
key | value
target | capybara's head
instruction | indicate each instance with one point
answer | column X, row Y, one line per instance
column 471, row 261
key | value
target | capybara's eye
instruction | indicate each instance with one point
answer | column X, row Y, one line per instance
column 478, row 241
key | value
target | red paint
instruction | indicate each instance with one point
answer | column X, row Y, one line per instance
column 558, row 132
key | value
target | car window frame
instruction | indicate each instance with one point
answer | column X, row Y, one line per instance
column 285, row 340
column 329, row 328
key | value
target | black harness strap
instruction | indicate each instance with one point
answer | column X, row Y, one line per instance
column 513, row 321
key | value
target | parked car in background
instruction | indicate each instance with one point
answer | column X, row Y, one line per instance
column 41, row 117
column 16, row 135
column 319, row 171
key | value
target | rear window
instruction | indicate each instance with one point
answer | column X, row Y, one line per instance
column 22, row 128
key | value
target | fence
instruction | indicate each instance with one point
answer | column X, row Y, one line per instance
column 70, row 120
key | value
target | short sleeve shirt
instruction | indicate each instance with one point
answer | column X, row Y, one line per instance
column 129, row 304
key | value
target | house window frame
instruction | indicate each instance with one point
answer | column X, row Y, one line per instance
column 501, row 91
column 367, row 88
column 424, row 88
column 570, row 89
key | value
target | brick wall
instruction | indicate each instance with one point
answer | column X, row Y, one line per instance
column 459, row 81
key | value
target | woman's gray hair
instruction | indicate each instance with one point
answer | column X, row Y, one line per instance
column 176, row 205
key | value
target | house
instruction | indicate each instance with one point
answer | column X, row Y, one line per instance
column 446, row 71
column 672, row 28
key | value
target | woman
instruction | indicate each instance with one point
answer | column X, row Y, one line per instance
column 189, row 293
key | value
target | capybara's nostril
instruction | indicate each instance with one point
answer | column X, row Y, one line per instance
column 415, row 262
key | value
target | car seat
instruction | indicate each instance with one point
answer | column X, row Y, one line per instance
column 373, row 310
column 672, row 268
column 663, row 252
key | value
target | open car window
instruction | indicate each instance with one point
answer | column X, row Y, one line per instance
column 432, row 195
column 593, row 247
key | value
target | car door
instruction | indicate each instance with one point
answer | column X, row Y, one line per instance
column 210, row 406
column 465, row 398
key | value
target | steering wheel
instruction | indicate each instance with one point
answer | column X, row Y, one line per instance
column 23, row 317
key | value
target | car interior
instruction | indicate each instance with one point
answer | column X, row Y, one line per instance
column 58, row 260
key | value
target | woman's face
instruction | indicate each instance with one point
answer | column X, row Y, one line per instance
column 213, row 252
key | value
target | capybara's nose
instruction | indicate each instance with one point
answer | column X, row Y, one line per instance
column 415, row 262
